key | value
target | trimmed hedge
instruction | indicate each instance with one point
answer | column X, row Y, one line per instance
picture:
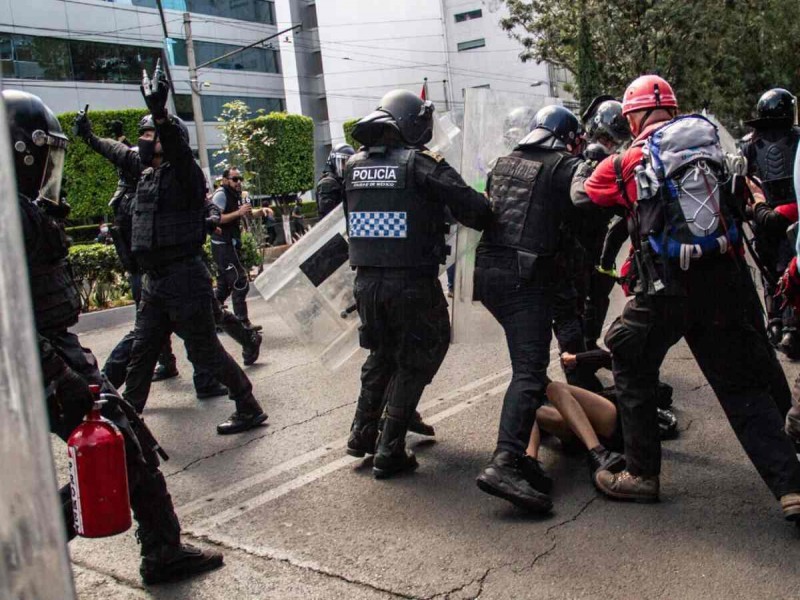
column 307, row 209
column 347, row 127
column 285, row 166
column 89, row 179
column 101, row 277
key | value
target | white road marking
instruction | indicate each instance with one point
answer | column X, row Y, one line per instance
column 231, row 490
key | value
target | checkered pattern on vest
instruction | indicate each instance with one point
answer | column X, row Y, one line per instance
column 378, row 224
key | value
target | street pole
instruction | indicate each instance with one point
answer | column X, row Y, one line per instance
column 197, row 107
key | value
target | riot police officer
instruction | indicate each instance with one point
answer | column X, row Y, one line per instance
column 68, row 369
column 130, row 170
column 329, row 186
column 395, row 197
column 770, row 152
column 169, row 228
column 516, row 277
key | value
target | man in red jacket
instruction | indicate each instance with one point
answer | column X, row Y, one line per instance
column 704, row 296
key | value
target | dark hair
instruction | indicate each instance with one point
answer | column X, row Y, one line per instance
column 227, row 172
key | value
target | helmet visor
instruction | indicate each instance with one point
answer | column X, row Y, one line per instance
column 50, row 189
column 339, row 162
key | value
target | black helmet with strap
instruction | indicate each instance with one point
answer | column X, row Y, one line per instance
column 776, row 107
column 39, row 145
column 146, row 123
column 401, row 112
column 338, row 157
column 554, row 127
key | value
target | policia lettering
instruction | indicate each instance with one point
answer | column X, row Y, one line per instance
column 395, row 197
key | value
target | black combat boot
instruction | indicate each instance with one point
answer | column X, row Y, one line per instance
column 418, row 426
column 391, row 456
column 667, row 424
column 248, row 415
column 164, row 557
column 363, row 433
column 252, row 348
column 248, row 325
column 163, row 372
column 214, row 391
column 790, row 343
column 534, row 472
column 504, row 477
column 602, row 459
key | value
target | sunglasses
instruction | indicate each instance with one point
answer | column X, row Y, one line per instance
column 236, row 179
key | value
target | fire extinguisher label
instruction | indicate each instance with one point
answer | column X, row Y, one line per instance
column 75, row 489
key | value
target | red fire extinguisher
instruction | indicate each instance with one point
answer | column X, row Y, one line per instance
column 97, row 475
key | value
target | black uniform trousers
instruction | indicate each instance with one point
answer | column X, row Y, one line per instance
column 524, row 307
column 179, row 298
column 150, row 501
column 406, row 327
column 116, row 365
column 731, row 348
column 231, row 277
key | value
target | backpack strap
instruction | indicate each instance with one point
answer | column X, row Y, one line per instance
column 621, row 182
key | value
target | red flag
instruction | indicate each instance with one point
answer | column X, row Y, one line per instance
column 424, row 93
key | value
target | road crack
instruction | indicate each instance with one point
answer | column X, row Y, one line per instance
column 271, row 432
column 133, row 585
column 303, row 565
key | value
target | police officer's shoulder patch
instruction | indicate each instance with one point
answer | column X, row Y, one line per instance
column 434, row 155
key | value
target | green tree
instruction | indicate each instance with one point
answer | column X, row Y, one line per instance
column 720, row 54
column 239, row 138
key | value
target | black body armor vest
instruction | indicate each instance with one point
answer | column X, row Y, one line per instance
column 774, row 165
column 527, row 215
column 166, row 227
column 231, row 230
column 390, row 221
column 56, row 301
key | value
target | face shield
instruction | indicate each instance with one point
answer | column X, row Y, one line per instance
column 50, row 187
column 339, row 161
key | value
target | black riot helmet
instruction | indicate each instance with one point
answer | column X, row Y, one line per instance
column 338, row 158
column 400, row 111
column 115, row 128
column 517, row 124
column 39, row 145
column 607, row 122
column 776, row 107
column 554, row 127
column 146, row 123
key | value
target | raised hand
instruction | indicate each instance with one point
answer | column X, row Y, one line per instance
column 156, row 92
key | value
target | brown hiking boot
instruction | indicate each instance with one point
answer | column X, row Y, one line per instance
column 624, row 486
column 790, row 503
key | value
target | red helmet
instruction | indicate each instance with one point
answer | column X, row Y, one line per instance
column 648, row 91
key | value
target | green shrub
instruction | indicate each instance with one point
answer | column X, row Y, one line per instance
column 98, row 273
column 83, row 234
column 347, row 127
column 251, row 257
column 89, row 179
column 286, row 165
column 307, row 209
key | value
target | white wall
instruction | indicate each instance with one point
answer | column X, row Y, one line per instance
column 370, row 47
column 497, row 63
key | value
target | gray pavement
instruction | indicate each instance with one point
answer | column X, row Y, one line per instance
column 297, row 518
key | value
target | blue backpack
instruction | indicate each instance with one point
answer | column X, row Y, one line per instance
column 683, row 206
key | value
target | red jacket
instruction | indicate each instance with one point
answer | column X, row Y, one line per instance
column 601, row 187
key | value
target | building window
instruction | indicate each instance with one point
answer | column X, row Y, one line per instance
column 260, row 11
column 253, row 59
column 310, row 22
column 469, row 15
column 471, row 44
column 212, row 105
column 34, row 57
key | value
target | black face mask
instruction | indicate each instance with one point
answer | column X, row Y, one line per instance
column 147, row 151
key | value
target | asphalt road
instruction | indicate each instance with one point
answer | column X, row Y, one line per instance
column 297, row 518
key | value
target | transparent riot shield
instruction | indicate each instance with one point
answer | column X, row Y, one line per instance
column 491, row 130
column 311, row 285
column 33, row 559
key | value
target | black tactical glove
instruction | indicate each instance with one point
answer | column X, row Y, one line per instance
column 69, row 400
column 596, row 152
column 82, row 127
column 58, row 211
column 156, row 93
